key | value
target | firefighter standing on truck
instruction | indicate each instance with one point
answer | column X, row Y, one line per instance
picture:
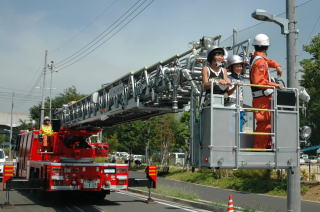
column 46, row 131
column 259, row 75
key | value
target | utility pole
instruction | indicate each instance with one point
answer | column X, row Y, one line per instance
column 291, row 44
column 43, row 87
column 10, row 139
column 293, row 174
column 51, row 71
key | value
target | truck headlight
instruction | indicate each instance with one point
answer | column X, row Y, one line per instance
column 305, row 132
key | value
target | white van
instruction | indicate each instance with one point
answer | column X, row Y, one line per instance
column 2, row 160
column 179, row 158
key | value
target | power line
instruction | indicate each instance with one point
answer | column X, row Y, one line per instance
column 96, row 39
column 68, row 41
column 313, row 28
column 112, row 35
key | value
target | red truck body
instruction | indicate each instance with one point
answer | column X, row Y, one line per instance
column 68, row 163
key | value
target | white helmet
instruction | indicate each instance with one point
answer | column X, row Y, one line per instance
column 46, row 118
column 234, row 59
column 261, row 40
column 215, row 49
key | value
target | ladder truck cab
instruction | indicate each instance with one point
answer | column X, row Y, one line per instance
column 69, row 165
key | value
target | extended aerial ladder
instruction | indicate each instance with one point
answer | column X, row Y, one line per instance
column 168, row 86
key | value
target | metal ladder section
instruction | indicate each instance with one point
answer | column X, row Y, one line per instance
column 163, row 87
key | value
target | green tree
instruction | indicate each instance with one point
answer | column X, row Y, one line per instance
column 182, row 133
column 69, row 95
column 2, row 138
column 310, row 80
column 165, row 134
column 112, row 141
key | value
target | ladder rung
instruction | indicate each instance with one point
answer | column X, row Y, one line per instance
column 257, row 109
column 259, row 86
column 256, row 133
column 256, row 150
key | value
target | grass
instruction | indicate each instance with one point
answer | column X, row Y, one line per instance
column 255, row 181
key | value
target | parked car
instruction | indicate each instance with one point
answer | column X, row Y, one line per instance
column 138, row 159
column 302, row 161
column 179, row 158
column 122, row 156
column 304, row 158
column 313, row 159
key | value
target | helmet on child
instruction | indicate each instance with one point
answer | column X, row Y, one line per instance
column 216, row 50
column 234, row 59
column 261, row 40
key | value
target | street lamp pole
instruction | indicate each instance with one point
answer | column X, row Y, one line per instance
column 293, row 174
column 291, row 44
column 288, row 27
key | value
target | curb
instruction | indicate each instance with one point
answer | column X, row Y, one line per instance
column 181, row 201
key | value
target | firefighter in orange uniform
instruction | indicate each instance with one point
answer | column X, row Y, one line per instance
column 46, row 131
column 259, row 75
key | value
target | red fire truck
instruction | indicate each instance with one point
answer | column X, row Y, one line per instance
column 68, row 163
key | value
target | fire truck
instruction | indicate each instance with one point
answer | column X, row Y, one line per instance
column 217, row 141
column 68, row 164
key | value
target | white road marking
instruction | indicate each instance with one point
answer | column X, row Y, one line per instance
column 162, row 202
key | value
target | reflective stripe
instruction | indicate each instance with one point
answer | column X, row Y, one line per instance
column 259, row 93
column 46, row 129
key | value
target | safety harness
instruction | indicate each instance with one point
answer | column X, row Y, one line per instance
column 258, row 92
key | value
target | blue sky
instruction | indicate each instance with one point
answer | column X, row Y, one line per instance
column 28, row 28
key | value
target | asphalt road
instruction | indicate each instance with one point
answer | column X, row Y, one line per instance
column 242, row 199
column 116, row 202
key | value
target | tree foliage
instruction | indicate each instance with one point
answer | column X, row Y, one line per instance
column 165, row 134
column 310, row 80
column 2, row 138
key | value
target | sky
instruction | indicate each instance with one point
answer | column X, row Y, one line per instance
column 164, row 28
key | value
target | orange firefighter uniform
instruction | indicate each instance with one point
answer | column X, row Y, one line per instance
column 259, row 75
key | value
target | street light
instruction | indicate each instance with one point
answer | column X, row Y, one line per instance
column 263, row 15
column 288, row 28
